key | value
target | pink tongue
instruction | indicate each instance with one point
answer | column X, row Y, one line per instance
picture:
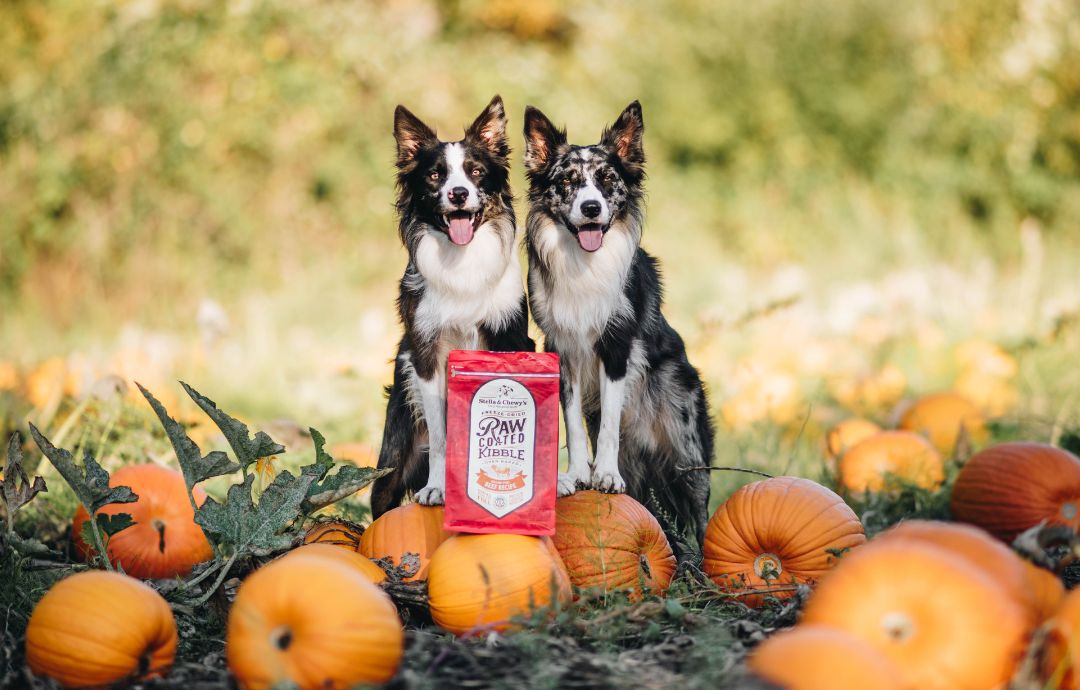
column 461, row 230
column 590, row 239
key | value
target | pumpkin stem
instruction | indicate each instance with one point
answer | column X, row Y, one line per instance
column 767, row 566
column 1069, row 510
column 281, row 637
column 144, row 663
column 898, row 626
column 160, row 527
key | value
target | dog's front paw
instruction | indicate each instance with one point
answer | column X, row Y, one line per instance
column 569, row 483
column 608, row 481
column 430, row 496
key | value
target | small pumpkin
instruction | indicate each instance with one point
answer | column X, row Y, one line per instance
column 481, row 581
column 359, row 454
column 900, row 454
column 337, row 532
column 312, row 622
column 941, row 417
column 1046, row 588
column 1012, row 487
column 813, row 657
column 776, row 533
column 1060, row 658
column 846, row 434
column 165, row 541
column 358, row 563
column 945, row 623
column 96, row 628
column 612, row 542
column 411, row 528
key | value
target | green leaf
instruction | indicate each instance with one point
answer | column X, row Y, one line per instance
column 27, row 547
column 16, row 489
column 325, row 489
column 89, row 481
column 111, row 524
column 195, row 466
column 247, row 449
column 242, row 524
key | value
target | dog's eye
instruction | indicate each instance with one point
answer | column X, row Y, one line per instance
column 477, row 172
column 434, row 174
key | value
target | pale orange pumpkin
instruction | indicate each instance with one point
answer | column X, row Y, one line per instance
column 846, row 434
column 945, row 623
column 1061, row 652
column 941, row 417
column 96, row 628
column 814, row 657
column 358, row 563
column 611, row 542
column 776, row 533
column 165, row 541
column 1012, row 487
column 411, row 528
column 900, row 454
column 481, row 581
column 337, row 532
column 312, row 622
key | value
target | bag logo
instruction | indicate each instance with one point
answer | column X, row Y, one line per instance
column 502, row 429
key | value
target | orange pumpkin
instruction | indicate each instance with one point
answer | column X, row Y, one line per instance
column 360, row 454
column 980, row 549
column 96, row 628
column 776, row 533
column 165, row 541
column 901, row 454
column 940, row 417
column 337, row 532
column 945, row 623
column 481, row 581
column 813, row 657
column 610, row 541
column 45, row 383
column 1047, row 590
column 360, row 564
column 846, row 434
column 411, row 528
column 1011, row 487
column 312, row 622
column 1061, row 653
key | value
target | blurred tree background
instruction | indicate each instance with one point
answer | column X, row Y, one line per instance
column 156, row 153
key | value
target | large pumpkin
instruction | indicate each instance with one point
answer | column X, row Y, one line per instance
column 1011, row 487
column 411, row 528
column 97, row 628
column 337, row 532
column 813, row 657
column 945, row 623
column 358, row 563
column 846, row 434
column 941, row 417
column 165, row 541
column 611, row 542
column 481, row 581
column 313, row 622
column 1061, row 654
column 900, row 454
column 776, row 533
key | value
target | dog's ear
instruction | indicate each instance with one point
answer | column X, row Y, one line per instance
column 489, row 128
column 541, row 139
column 625, row 137
column 411, row 134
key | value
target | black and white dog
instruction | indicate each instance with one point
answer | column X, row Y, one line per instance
column 596, row 296
column 461, row 289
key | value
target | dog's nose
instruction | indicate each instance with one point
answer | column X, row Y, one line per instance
column 590, row 208
column 458, row 195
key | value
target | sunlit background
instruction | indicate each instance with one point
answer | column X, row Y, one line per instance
column 854, row 202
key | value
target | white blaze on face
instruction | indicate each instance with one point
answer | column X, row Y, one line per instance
column 457, row 177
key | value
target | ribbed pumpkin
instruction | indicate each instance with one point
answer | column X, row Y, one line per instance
column 1047, row 590
column 846, row 434
column 358, row 563
column 1060, row 662
column 612, row 542
column 813, row 657
column 481, row 581
column 775, row 533
column 1011, row 487
column 901, row 454
column 411, row 528
column 981, row 550
column 337, row 532
column 312, row 622
column 944, row 623
column 941, row 416
column 164, row 541
column 96, row 628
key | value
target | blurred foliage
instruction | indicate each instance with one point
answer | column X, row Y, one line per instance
column 147, row 141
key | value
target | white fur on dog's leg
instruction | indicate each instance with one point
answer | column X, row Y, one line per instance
column 605, row 474
column 571, row 480
column 577, row 445
column 433, row 399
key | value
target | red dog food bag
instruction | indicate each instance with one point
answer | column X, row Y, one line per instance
column 502, row 442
